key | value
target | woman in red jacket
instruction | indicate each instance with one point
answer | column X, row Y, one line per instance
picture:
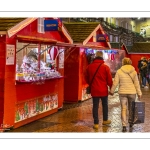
column 99, row 87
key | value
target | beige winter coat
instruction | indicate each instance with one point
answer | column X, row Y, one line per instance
column 126, row 84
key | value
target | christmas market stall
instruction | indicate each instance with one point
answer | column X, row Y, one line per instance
column 136, row 52
column 87, row 39
column 31, row 70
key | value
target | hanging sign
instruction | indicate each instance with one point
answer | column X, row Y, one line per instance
column 102, row 38
column 50, row 25
column 10, row 54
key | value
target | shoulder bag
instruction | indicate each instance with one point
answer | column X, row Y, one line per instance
column 88, row 89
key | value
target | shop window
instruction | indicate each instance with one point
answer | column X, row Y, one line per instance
column 117, row 39
column 117, row 23
column 34, row 65
column 111, row 38
column 41, row 25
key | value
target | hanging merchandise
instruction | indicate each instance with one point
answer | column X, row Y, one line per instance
column 109, row 56
column 53, row 52
column 112, row 56
column 105, row 56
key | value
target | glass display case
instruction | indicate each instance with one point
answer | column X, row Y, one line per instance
column 35, row 65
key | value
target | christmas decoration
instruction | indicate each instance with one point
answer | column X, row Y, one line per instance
column 53, row 52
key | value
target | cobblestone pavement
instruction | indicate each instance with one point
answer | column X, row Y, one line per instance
column 78, row 118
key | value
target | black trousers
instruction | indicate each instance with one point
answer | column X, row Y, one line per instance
column 96, row 107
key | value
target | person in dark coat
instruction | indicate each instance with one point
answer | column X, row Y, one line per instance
column 144, row 73
column 99, row 87
column 148, row 71
column 140, row 63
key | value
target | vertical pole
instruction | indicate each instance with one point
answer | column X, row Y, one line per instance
column 39, row 56
column 119, row 43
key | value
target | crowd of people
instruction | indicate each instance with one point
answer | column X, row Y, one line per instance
column 144, row 72
column 99, row 78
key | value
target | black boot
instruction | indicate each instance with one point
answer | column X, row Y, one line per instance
column 124, row 129
column 131, row 125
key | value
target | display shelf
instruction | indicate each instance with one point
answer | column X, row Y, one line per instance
column 23, row 81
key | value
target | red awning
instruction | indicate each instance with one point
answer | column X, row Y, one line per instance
column 32, row 39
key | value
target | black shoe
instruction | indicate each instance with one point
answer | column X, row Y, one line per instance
column 130, row 129
column 124, row 129
column 131, row 125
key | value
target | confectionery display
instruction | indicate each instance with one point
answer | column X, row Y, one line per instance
column 33, row 70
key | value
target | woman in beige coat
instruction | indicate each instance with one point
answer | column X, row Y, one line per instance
column 127, row 79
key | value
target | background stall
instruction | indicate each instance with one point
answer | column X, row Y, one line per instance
column 138, row 50
column 32, row 69
column 87, row 38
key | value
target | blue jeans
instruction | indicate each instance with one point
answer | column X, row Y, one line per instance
column 144, row 81
column 104, row 108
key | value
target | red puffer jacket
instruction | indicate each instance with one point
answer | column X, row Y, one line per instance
column 102, row 79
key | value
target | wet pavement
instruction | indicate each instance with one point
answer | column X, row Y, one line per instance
column 78, row 118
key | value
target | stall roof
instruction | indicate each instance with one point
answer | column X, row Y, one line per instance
column 14, row 25
column 80, row 31
column 115, row 45
column 141, row 47
column 7, row 23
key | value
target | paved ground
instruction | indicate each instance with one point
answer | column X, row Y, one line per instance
column 78, row 118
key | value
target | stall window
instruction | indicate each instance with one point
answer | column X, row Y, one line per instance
column 41, row 25
column 34, row 66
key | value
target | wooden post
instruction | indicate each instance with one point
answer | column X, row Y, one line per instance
column 39, row 56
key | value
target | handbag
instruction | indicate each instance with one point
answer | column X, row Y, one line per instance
column 88, row 89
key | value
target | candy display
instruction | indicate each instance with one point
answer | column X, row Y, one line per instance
column 29, row 70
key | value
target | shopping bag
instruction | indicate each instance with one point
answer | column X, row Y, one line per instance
column 136, row 112
column 139, row 112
